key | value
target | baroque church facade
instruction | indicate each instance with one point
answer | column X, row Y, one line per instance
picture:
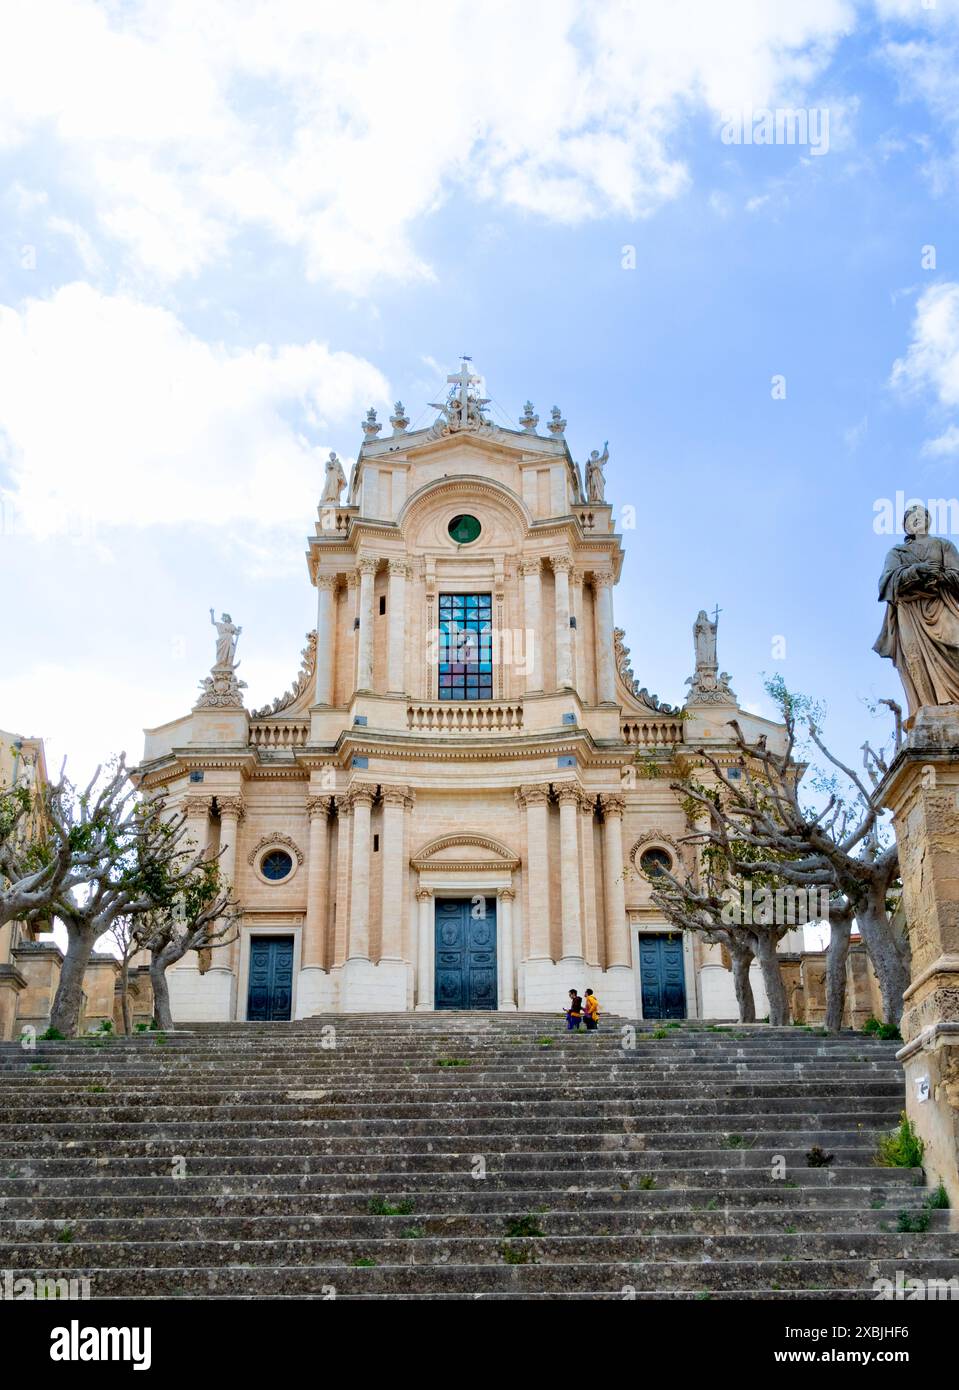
column 459, row 800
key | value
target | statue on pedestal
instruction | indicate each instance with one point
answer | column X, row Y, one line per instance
column 221, row 689
column 920, row 634
column 335, row 482
column 708, row 685
column 595, row 480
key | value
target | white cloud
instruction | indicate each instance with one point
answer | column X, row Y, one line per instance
column 931, row 362
column 945, row 446
column 113, row 413
column 335, row 128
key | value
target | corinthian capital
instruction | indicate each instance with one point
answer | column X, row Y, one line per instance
column 533, row 795
column 603, row 581
column 318, row 807
column 562, row 564
column 196, row 806
column 367, row 564
column 528, row 567
column 612, row 805
column 231, row 807
column 401, row 568
column 568, row 792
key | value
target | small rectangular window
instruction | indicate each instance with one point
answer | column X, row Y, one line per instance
column 376, row 843
column 382, row 604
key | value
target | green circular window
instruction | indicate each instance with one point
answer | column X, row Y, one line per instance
column 464, row 529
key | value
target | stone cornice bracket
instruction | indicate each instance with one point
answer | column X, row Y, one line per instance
column 561, row 563
column 367, row 564
column 612, row 805
column 231, row 807
column 527, row 567
column 283, row 841
column 532, row 795
column 423, row 895
column 196, row 806
column 318, row 807
column 398, row 796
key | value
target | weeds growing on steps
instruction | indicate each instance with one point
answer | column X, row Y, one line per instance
column 901, row 1149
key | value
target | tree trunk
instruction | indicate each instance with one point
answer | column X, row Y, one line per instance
column 892, row 970
column 837, row 953
column 65, row 1014
column 772, row 979
column 161, row 993
column 742, row 959
column 125, row 996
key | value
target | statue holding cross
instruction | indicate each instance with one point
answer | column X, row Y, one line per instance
column 462, row 409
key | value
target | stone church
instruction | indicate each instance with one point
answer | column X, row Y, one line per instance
column 453, row 806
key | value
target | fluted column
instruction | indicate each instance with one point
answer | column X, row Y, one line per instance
column 564, row 665
column 341, row 933
column 535, row 801
column 617, row 935
column 396, row 805
column 317, row 885
column 424, row 953
column 577, row 663
column 231, row 811
column 396, row 609
column 568, row 797
column 325, row 637
column 588, row 875
column 353, row 619
column 533, row 622
column 605, row 666
column 362, row 801
column 197, row 812
column 364, row 666
column 504, row 908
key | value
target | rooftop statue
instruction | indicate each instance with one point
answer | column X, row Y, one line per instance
column 920, row 634
column 335, row 482
column 595, row 479
column 227, row 636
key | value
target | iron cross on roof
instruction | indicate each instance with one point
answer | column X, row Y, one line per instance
column 464, row 379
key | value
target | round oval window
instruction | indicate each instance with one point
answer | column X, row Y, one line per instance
column 464, row 529
column 275, row 865
column 654, row 861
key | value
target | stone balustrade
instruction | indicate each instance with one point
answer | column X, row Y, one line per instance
column 279, row 733
column 461, row 717
column 654, row 733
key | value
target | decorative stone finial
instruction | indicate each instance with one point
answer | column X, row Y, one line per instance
column 556, row 424
column 371, row 427
column 529, row 419
column 399, row 419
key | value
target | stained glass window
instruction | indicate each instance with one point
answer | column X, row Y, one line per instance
column 275, row 865
column 466, row 647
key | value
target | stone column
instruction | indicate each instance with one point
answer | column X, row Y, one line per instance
column 577, row 662
column 424, row 952
column 396, row 805
column 343, row 861
column 605, row 665
column 353, row 619
column 361, row 798
column 313, row 954
column 231, row 810
column 564, row 664
column 568, row 796
column 504, row 909
column 532, row 622
column 325, row 637
column 534, row 799
column 197, row 812
column 588, row 874
column 617, row 934
column 396, row 609
column 922, row 790
column 364, row 666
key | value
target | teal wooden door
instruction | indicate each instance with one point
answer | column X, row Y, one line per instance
column 662, row 977
column 465, row 954
column 271, row 977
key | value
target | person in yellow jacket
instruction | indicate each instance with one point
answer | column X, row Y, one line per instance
column 591, row 1011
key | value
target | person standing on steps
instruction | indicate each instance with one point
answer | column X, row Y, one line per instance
column 574, row 1013
column 591, row 1011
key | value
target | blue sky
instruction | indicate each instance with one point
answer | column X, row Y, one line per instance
column 228, row 229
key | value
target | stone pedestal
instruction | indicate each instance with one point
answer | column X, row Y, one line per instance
column 922, row 790
column 40, row 966
column 11, row 984
column 99, row 989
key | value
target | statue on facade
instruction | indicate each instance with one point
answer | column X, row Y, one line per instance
column 595, row 479
column 920, row 633
column 335, row 482
column 708, row 685
column 227, row 636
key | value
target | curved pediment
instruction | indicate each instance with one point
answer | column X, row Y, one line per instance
column 464, row 852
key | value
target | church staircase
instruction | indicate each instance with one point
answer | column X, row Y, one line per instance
column 461, row 1156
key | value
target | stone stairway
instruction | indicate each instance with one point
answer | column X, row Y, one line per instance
column 459, row 1156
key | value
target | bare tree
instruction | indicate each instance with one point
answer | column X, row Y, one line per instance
column 201, row 915
column 123, row 932
column 761, row 824
column 133, row 861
